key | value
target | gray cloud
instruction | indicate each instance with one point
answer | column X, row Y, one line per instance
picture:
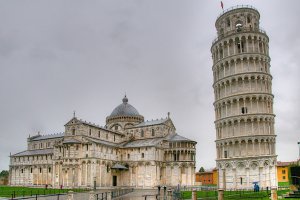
column 60, row 56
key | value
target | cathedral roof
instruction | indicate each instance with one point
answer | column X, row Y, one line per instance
column 34, row 152
column 44, row 137
column 119, row 166
column 152, row 122
column 178, row 138
column 124, row 109
column 101, row 141
column 71, row 141
column 143, row 143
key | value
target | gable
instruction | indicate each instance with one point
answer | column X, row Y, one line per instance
column 170, row 124
column 73, row 121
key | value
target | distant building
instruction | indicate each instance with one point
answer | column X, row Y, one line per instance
column 3, row 180
column 288, row 173
column 207, row 178
column 283, row 173
column 127, row 151
column 215, row 176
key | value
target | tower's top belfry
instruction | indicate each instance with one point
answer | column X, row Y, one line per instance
column 238, row 18
column 229, row 19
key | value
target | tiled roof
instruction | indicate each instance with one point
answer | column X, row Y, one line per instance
column 71, row 141
column 96, row 126
column 284, row 164
column 101, row 141
column 51, row 136
column 177, row 138
column 202, row 173
column 118, row 166
column 34, row 152
column 143, row 143
column 152, row 122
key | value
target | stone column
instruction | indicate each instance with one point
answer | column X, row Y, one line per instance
column 194, row 194
column 169, row 194
column 248, row 177
column 70, row 195
column 220, row 194
column 79, row 170
column 274, row 193
column 92, row 195
column 234, row 179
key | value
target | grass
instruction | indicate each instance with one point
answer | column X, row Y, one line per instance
column 229, row 195
column 284, row 184
column 9, row 191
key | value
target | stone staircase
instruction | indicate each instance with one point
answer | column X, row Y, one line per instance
column 295, row 193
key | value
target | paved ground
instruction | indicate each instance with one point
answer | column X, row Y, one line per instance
column 136, row 195
column 139, row 195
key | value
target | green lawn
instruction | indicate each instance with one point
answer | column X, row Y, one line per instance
column 9, row 191
column 286, row 184
column 228, row 195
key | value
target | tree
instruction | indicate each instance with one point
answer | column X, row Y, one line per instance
column 4, row 173
column 201, row 169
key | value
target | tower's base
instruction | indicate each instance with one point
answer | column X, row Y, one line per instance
column 243, row 173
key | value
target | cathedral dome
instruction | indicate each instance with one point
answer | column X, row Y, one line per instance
column 124, row 114
column 124, row 109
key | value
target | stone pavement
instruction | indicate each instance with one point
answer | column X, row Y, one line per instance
column 138, row 194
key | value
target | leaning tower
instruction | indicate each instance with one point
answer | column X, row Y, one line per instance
column 245, row 137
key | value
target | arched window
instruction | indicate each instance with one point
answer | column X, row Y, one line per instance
column 248, row 19
column 228, row 22
column 153, row 132
column 244, row 110
column 142, row 133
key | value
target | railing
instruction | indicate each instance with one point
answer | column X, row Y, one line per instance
column 37, row 193
column 120, row 192
column 241, row 30
column 101, row 196
column 236, row 7
column 36, row 197
column 113, row 194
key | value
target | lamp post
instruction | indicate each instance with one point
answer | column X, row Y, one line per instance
column 299, row 150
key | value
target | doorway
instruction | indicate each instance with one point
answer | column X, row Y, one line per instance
column 114, row 180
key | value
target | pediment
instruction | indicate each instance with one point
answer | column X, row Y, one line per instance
column 73, row 121
column 169, row 123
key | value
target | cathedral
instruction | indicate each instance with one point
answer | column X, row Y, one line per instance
column 127, row 151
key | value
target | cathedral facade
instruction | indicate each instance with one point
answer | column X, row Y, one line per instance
column 245, row 136
column 127, row 151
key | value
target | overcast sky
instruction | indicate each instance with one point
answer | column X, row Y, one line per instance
column 60, row 56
